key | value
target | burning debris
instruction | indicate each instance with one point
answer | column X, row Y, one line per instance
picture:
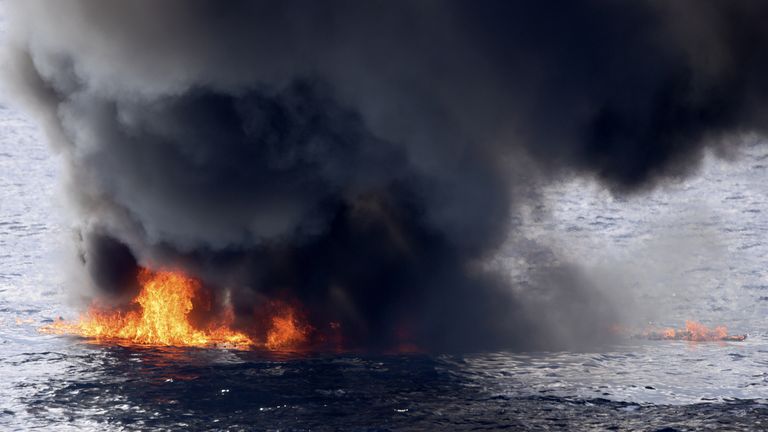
column 693, row 332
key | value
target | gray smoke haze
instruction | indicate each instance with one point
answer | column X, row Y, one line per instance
column 368, row 158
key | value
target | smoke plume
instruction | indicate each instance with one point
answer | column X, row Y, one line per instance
column 368, row 158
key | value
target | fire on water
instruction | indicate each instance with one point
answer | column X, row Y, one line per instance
column 161, row 316
column 694, row 332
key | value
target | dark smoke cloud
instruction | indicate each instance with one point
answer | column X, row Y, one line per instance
column 367, row 157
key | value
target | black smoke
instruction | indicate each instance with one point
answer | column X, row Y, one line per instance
column 368, row 158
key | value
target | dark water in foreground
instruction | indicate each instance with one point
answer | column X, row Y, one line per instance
column 90, row 387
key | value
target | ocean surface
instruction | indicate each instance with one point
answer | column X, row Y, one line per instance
column 693, row 249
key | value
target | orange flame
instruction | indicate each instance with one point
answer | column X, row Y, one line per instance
column 286, row 331
column 694, row 332
column 161, row 317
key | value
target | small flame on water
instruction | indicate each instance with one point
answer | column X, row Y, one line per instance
column 161, row 317
column 693, row 332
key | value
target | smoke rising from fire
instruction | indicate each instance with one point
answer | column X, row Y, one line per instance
column 367, row 158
